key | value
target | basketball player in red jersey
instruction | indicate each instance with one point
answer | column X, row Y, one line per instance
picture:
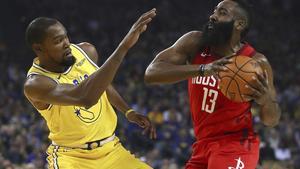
column 225, row 138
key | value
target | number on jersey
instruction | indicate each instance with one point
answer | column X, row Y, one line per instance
column 209, row 100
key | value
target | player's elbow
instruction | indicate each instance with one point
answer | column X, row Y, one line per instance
column 88, row 102
column 271, row 121
column 149, row 77
column 271, row 118
column 87, row 96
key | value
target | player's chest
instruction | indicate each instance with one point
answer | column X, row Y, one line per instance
column 203, row 87
column 205, row 94
column 75, row 76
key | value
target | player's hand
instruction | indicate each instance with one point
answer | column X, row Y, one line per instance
column 261, row 93
column 138, row 28
column 143, row 122
column 219, row 65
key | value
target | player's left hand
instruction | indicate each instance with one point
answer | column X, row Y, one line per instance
column 261, row 93
column 143, row 122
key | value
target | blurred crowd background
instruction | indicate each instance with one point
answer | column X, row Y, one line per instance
column 23, row 133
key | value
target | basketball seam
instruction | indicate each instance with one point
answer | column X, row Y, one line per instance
column 236, row 74
column 243, row 71
column 239, row 69
column 231, row 78
column 235, row 62
column 238, row 87
column 228, row 84
column 246, row 81
column 244, row 65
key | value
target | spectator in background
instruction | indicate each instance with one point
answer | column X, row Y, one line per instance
column 271, row 36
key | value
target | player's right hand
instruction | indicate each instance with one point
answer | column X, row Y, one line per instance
column 138, row 28
column 144, row 122
column 219, row 65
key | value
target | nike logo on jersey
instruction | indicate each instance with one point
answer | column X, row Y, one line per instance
column 80, row 62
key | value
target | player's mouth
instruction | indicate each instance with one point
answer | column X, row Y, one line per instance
column 210, row 26
column 68, row 52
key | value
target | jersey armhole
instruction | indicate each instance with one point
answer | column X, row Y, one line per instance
column 86, row 56
column 34, row 73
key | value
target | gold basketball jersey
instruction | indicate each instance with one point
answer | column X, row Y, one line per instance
column 73, row 125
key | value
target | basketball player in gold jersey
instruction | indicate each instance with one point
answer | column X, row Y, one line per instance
column 75, row 97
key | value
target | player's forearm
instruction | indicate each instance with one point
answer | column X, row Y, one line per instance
column 116, row 100
column 270, row 113
column 92, row 88
column 166, row 73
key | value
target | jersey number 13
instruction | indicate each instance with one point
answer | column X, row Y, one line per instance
column 209, row 100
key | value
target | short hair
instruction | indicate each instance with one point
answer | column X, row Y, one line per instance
column 36, row 30
column 246, row 9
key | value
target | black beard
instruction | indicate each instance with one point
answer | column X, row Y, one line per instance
column 218, row 35
column 69, row 61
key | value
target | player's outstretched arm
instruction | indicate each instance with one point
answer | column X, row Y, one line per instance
column 265, row 94
column 170, row 65
column 42, row 89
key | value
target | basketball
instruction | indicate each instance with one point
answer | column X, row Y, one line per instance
column 240, row 73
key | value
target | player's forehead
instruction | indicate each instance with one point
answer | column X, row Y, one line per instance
column 55, row 31
column 227, row 5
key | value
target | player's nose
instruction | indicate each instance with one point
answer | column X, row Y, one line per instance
column 213, row 17
column 66, row 43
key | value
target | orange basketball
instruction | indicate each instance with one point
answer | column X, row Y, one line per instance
column 240, row 73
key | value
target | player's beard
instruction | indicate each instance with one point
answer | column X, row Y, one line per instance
column 216, row 34
column 68, row 61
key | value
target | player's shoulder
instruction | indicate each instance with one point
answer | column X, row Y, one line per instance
column 193, row 36
column 194, row 33
column 263, row 61
column 261, row 58
column 37, row 80
column 36, row 83
column 85, row 45
column 259, row 55
column 189, row 42
column 90, row 50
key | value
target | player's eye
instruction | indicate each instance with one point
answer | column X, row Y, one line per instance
column 58, row 40
column 223, row 12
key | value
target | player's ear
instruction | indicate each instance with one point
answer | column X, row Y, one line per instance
column 37, row 48
column 240, row 24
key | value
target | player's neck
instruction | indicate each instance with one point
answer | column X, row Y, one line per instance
column 230, row 48
column 51, row 66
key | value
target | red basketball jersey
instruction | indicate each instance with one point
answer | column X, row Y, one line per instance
column 213, row 114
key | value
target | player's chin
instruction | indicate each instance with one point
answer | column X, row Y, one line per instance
column 69, row 60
